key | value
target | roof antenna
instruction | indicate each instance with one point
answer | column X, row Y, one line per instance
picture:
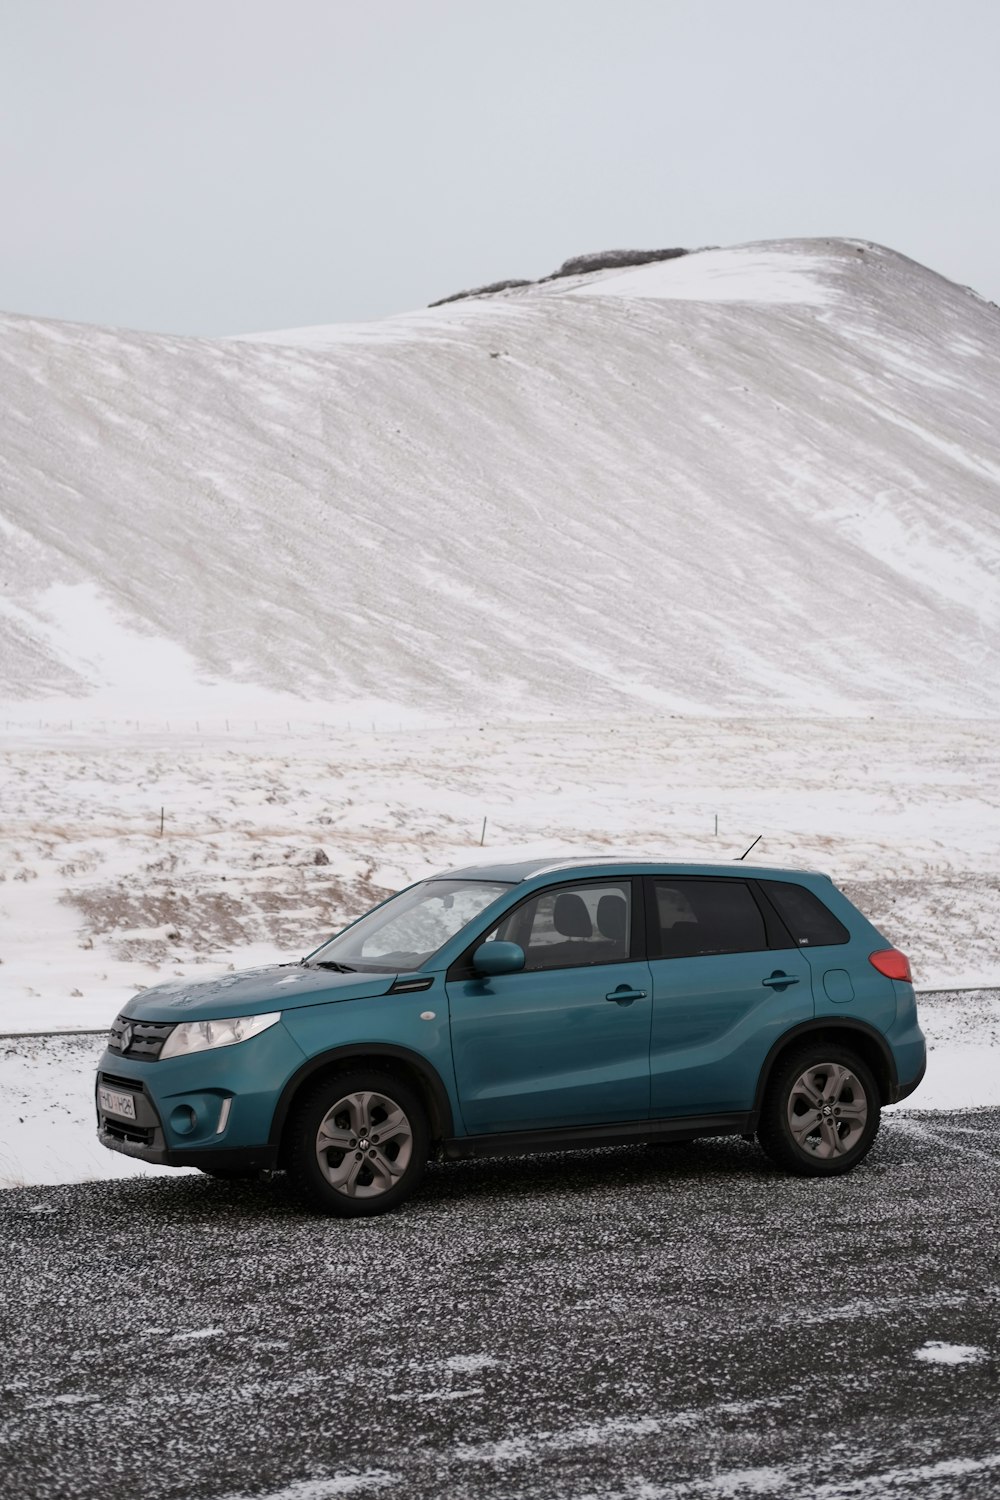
column 752, row 846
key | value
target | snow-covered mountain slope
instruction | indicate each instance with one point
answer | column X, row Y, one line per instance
column 764, row 479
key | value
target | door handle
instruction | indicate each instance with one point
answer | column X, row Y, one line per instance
column 624, row 996
column 780, row 981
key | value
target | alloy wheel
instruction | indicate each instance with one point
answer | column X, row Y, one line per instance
column 827, row 1110
column 364, row 1144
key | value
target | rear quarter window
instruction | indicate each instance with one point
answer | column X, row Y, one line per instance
column 811, row 924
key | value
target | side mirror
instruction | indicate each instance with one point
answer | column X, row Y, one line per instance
column 498, row 958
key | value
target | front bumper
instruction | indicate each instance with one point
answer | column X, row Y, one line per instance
column 209, row 1158
column 211, row 1109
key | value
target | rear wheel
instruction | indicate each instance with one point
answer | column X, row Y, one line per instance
column 357, row 1144
column 821, row 1111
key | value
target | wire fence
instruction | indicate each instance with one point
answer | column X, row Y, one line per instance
column 308, row 727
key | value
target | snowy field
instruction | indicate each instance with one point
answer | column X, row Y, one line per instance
column 272, row 840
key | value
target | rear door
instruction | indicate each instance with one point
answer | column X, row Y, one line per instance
column 726, row 985
column 845, row 984
column 566, row 1041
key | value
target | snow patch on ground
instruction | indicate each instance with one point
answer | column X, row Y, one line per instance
column 470, row 1364
column 936, row 1352
column 328, row 1489
column 100, row 644
column 48, row 1120
column 743, row 1484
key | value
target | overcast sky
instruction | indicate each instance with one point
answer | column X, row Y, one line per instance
column 224, row 166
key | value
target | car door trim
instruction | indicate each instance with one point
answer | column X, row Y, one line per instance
column 578, row 1137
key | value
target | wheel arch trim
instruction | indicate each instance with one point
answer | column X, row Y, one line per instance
column 428, row 1080
column 843, row 1029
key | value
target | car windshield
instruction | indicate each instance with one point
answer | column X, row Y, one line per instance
column 410, row 928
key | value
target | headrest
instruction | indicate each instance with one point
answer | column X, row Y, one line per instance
column 612, row 917
column 571, row 917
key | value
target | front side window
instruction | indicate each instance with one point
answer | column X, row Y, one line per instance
column 697, row 917
column 589, row 923
column 411, row 927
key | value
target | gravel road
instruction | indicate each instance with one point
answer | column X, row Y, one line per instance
column 636, row 1323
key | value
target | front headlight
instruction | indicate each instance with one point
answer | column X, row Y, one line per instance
column 199, row 1036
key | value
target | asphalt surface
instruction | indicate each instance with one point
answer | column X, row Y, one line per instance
column 638, row 1322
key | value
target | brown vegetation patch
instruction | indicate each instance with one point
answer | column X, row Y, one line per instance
column 158, row 923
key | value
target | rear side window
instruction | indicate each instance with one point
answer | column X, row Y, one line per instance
column 811, row 924
column 697, row 917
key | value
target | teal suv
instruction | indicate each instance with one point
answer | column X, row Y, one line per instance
column 537, row 1006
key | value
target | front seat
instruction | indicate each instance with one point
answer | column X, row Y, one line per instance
column 612, row 922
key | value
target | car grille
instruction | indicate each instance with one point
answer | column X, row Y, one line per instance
column 128, row 1085
column 146, row 1040
column 126, row 1130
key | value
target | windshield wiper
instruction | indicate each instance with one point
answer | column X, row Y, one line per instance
column 328, row 963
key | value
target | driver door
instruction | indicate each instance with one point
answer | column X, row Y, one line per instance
column 565, row 1041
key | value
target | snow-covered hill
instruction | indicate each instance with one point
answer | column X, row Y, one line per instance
column 752, row 480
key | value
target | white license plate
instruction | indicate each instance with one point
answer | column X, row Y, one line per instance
column 114, row 1103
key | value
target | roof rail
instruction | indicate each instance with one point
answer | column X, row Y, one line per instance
column 581, row 859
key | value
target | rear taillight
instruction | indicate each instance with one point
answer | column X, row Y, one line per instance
column 891, row 963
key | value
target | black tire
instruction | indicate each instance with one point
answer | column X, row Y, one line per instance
column 821, row 1111
column 373, row 1173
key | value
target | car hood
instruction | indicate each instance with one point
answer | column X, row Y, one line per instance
column 251, row 992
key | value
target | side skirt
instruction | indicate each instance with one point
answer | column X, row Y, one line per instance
column 580, row 1137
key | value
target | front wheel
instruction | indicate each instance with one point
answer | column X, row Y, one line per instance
column 821, row 1112
column 357, row 1144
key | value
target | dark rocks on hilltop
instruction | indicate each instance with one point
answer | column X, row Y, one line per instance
column 479, row 291
column 611, row 260
column 577, row 265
